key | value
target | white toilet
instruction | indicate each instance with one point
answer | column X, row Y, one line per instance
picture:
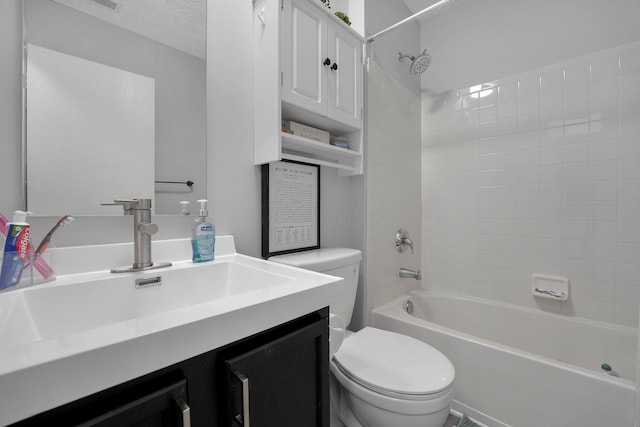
column 385, row 378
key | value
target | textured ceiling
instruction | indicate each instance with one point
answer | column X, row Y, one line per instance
column 177, row 23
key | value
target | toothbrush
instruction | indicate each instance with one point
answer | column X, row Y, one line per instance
column 64, row 221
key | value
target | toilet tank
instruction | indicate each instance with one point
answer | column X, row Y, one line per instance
column 340, row 262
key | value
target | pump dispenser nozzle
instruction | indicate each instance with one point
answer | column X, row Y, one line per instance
column 185, row 207
column 203, row 207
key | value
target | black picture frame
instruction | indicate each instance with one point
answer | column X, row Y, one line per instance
column 290, row 207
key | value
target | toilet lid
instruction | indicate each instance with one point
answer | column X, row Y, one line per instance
column 389, row 362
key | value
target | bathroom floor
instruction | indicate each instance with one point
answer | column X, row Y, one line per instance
column 452, row 421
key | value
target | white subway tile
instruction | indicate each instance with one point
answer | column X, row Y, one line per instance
column 552, row 80
column 529, row 121
column 551, row 155
column 603, row 231
column 601, row 291
column 576, row 94
column 605, row 68
column 552, row 117
column 576, row 172
column 628, row 253
column 550, row 229
column 629, row 147
column 576, row 192
column 576, row 153
column 507, row 91
column 603, row 129
column 629, row 105
column 602, row 251
column 603, row 190
column 628, row 274
column 575, row 226
column 603, row 150
column 603, row 170
column 629, row 231
column 602, row 89
column 529, row 86
column 575, row 249
column 508, row 107
column 630, row 168
column 552, row 100
column 630, row 62
column 630, row 84
column 551, row 174
column 630, row 125
column 551, row 193
column 576, row 211
column 603, row 211
column 603, row 109
column 629, row 211
column 576, row 113
column 507, row 125
column 576, row 75
column 627, row 315
column 576, row 133
column 488, row 129
column 629, row 190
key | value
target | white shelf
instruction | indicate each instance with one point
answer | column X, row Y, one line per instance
column 307, row 150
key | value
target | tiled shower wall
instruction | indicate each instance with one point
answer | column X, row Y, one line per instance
column 538, row 173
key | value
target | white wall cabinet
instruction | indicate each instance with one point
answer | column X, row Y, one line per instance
column 316, row 64
column 321, row 64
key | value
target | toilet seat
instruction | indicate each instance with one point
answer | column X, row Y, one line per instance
column 394, row 365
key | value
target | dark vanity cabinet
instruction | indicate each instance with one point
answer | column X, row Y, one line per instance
column 279, row 377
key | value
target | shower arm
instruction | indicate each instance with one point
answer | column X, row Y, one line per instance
column 409, row 19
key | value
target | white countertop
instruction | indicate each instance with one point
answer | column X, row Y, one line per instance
column 40, row 374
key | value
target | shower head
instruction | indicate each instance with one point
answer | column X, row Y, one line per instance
column 419, row 64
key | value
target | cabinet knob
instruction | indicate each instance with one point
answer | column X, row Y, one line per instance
column 327, row 61
column 334, row 67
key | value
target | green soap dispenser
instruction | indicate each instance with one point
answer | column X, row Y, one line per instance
column 203, row 235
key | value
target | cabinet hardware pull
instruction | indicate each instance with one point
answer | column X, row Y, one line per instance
column 334, row 67
column 327, row 61
column 243, row 419
column 186, row 412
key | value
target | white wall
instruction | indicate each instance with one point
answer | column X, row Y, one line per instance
column 381, row 14
column 540, row 176
column 393, row 188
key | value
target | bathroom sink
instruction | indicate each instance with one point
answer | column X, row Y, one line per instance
column 51, row 311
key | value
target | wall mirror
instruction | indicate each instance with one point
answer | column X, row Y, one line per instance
column 114, row 104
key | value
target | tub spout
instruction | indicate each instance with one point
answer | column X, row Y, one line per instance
column 406, row 273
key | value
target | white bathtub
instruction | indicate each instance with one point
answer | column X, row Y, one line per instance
column 523, row 367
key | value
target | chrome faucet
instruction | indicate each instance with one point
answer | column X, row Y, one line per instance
column 143, row 229
column 403, row 241
column 410, row 274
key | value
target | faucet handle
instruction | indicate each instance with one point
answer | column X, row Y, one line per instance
column 403, row 241
column 148, row 228
column 127, row 204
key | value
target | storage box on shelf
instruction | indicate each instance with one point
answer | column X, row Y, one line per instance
column 309, row 69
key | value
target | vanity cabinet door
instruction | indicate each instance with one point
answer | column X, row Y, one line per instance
column 283, row 383
column 166, row 407
column 154, row 403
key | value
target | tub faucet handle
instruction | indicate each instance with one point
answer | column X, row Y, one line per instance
column 403, row 241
